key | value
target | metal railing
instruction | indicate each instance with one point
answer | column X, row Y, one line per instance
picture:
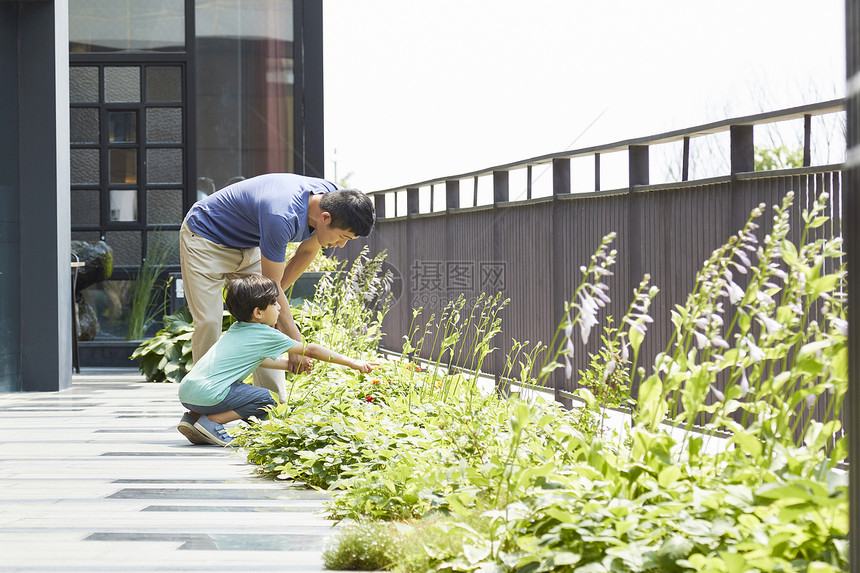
column 531, row 250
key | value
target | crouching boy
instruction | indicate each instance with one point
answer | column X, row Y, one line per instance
column 214, row 392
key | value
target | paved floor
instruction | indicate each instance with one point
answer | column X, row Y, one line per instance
column 97, row 478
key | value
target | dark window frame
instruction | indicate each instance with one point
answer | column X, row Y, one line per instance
column 142, row 61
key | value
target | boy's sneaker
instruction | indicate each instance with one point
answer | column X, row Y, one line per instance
column 187, row 429
column 214, row 432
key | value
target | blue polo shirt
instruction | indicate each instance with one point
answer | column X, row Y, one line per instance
column 267, row 211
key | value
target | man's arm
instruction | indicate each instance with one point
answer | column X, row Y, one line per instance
column 286, row 323
column 299, row 262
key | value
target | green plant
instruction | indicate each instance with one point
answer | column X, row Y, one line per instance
column 145, row 294
column 363, row 547
column 321, row 262
column 788, row 329
column 780, row 157
column 349, row 306
column 166, row 357
column 725, row 469
column 604, row 384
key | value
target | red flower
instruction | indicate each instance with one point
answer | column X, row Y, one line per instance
column 374, row 382
column 369, row 398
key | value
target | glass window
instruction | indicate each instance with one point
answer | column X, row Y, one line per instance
column 85, row 207
column 123, row 165
column 122, row 84
column 85, row 166
column 123, row 126
column 126, row 247
column 123, row 204
column 93, row 236
column 163, row 83
column 244, row 93
column 164, row 125
column 84, row 124
column 163, row 246
column 164, row 206
column 83, row 84
column 164, row 165
column 126, row 26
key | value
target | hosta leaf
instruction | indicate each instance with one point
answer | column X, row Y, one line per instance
column 748, row 443
column 476, row 553
column 561, row 558
column 668, row 476
column 734, row 562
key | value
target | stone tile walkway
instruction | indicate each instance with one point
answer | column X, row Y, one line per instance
column 97, row 478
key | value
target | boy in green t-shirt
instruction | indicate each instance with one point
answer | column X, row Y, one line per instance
column 214, row 391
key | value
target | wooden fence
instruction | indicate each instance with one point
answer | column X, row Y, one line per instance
column 532, row 250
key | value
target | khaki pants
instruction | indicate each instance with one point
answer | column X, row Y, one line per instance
column 206, row 266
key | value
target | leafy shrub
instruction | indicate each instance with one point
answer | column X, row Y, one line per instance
column 321, row 262
column 146, row 291
column 166, row 357
column 744, row 478
column 349, row 306
column 363, row 547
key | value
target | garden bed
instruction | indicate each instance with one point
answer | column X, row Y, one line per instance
column 436, row 474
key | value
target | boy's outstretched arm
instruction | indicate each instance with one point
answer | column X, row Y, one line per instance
column 319, row 352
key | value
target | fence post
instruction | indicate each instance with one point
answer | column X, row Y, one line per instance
column 501, row 194
column 452, row 194
column 560, row 186
column 685, row 160
column 742, row 161
column 638, row 173
column 501, row 187
column 412, row 207
column 742, row 148
column 379, row 205
column 561, row 176
column 638, row 165
column 851, row 206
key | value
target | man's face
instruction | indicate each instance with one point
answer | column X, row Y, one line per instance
column 330, row 236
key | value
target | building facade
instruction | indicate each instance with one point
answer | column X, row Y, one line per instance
column 123, row 114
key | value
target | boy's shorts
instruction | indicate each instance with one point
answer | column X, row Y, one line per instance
column 244, row 399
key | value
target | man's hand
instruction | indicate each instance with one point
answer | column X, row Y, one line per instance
column 298, row 363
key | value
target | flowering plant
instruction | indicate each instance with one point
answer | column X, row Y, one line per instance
column 731, row 462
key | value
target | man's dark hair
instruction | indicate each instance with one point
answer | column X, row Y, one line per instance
column 350, row 210
column 248, row 292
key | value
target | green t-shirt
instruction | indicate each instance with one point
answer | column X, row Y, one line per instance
column 237, row 353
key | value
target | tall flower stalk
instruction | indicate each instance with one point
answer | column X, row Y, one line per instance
column 753, row 361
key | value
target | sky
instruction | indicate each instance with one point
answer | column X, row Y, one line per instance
column 419, row 89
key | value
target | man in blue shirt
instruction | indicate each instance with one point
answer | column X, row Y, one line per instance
column 244, row 229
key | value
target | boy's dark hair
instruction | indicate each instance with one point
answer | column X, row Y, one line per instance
column 350, row 210
column 248, row 292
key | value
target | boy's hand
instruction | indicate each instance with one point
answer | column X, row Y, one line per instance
column 364, row 366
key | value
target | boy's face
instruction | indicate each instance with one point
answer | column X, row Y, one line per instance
column 268, row 315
